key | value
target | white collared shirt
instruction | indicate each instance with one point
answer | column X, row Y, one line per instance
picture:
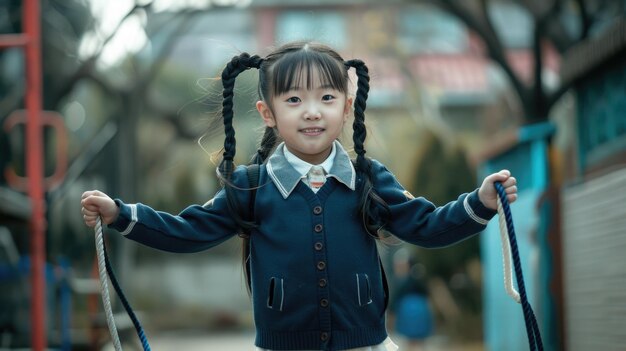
column 287, row 174
column 303, row 167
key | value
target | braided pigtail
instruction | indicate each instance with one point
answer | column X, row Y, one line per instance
column 236, row 65
column 267, row 145
column 373, row 208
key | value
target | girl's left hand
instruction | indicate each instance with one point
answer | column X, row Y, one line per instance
column 487, row 191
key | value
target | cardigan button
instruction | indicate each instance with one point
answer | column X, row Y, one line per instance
column 321, row 265
column 324, row 336
column 317, row 210
column 322, row 283
column 318, row 228
column 318, row 246
column 324, row 302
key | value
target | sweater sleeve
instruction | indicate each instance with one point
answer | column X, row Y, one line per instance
column 194, row 229
column 420, row 222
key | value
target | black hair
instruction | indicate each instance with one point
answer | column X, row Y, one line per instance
column 279, row 72
column 226, row 167
column 286, row 66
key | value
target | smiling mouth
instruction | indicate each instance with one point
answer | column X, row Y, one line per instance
column 312, row 131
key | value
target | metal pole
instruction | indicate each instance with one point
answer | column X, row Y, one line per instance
column 13, row 40
column 34, row 171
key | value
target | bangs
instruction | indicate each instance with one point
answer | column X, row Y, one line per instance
column 298, row 68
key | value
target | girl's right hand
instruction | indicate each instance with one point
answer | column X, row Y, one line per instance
column 96, row 204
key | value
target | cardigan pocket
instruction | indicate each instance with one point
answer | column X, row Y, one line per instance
column 364, row 289
column 276, row 294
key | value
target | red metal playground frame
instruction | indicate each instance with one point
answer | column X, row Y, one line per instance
column 30, row 41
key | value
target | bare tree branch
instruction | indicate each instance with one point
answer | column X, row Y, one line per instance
column 558, row 35
column 174, row 119
column 485, row 13
column 546, row 18
column 585, row 19
column 119, row 25
column 89, row 64
column 541, row 9
column 494, row 47
column 548, row 27
column 189, row 18
column 538, row 106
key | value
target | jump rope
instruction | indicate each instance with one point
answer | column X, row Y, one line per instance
column 509, row 249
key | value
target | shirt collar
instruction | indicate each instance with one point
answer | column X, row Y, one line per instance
column 285, row 175
column 303, row 167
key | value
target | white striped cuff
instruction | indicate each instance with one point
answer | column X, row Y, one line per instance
column 471, row 213
column 133, row 219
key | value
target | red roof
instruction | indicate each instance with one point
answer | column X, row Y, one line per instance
column 465, row 73
column 452, row 73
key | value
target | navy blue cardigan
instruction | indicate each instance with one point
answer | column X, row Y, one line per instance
column 315, row 274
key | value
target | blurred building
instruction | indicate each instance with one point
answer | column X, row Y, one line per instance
column 592, row 193
column 570, row 214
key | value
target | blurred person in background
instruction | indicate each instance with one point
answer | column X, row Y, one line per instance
column 410, row 315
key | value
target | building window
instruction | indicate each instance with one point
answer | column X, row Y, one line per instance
column 424, row 29
column 326, row 27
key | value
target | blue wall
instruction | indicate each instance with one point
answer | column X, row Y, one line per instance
column 503, row 317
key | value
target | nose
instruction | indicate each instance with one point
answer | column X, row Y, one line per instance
column 312, row 114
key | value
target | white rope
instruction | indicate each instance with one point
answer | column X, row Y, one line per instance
column 106, row 300
column 506, row 255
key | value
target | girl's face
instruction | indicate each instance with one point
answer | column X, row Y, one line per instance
column 308, row 119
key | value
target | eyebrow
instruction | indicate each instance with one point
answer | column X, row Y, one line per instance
column 325, row 86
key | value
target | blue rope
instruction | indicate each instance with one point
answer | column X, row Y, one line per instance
column 532, row 329
column 129, row 310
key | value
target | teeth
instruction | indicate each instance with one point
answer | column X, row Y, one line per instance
column 312, row 130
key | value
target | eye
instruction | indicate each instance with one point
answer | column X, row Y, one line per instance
column 328, row 97
column 293, row 100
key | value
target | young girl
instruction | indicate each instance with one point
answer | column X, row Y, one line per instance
column 315, row 274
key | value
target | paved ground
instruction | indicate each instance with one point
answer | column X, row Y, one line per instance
column 244, row 342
